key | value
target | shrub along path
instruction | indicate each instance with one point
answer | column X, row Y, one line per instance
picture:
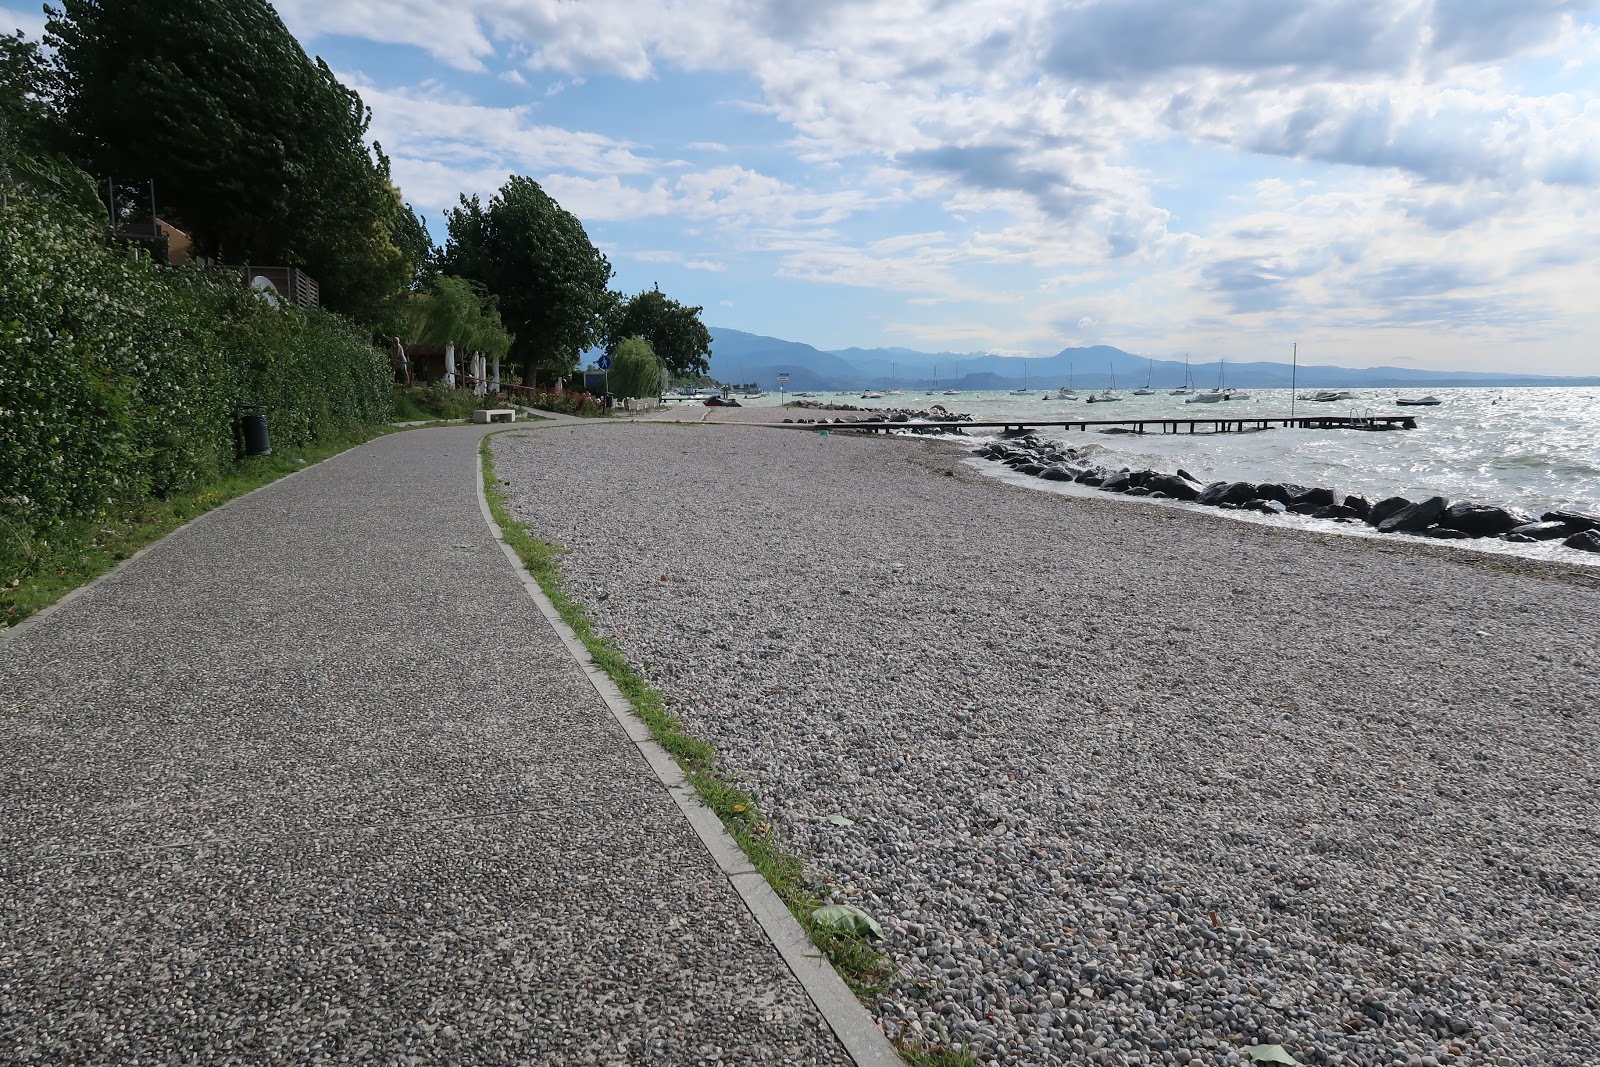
column 312, row 780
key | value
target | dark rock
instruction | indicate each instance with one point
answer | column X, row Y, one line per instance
column 1386, row 507
column 1174, row 485
column 1137, row 490
column 1032, row 468
column 1056, row 474
column 1543, row 531
column 1219, row 493
column 1156, row 494
column 1358, row 504
column 1117, row 483
column 1518, row 539
column 1186, row 476
column 1444, row 533
column 1584, row 541
column 1335, row 511
column 1091, row 477
column 1273, row 491
column 1268, row 507
column 1416, row 517
column 1482, row 520
column 1575, row 519
column 1306, row 507
column 1317, row 498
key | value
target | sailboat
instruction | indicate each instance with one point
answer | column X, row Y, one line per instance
column 1024, row 391
column 955, row 392
column 894, row 381
column 1066, row 392
column 1106, row 396
column 935, row 388
column 1188, row 387
column 1213, row 396
column 1148, row 374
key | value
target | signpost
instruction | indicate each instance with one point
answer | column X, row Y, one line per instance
column 783, row 379
column 604, row 363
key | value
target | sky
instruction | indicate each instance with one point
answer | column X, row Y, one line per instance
column 1385, row 182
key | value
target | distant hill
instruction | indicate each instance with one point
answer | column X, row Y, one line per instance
column 737, row 356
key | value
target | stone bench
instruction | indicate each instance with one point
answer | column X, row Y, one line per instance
column 494, row 415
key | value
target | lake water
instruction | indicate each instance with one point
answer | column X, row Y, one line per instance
column 1537, row 449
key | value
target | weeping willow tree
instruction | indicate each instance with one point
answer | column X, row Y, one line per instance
column 453, row 311
column 636, row 370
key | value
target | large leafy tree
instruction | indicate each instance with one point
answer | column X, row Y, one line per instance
column 26, row 124
column 674, row 330
column 455, row 311
column 536, row 257
column 255, row 149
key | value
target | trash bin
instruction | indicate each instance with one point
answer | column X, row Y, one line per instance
column 253, row 440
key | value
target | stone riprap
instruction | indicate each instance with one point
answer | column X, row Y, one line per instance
column 1130, row 785
column 313, row 781
column 1434, row 517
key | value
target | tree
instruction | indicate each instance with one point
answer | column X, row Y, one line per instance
column 25, row 124
column 537, row 259
column 454, row 311
column 635, row 369
column 674, row 331
column 255, row 150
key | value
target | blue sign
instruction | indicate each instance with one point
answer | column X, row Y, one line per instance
column 604, row 363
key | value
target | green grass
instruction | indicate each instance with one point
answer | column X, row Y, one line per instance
column 865, row 970
column 936, row 1055
column 41, row 571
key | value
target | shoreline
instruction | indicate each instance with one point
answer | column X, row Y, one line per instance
column 1117, row 775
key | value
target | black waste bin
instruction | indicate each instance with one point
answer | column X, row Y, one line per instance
column 253, row 440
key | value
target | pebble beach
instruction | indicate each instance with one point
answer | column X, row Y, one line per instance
column 1126, row 785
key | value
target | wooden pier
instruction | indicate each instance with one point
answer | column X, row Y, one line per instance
column 1165, row 425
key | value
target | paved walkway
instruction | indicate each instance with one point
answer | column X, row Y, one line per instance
column 313, row 781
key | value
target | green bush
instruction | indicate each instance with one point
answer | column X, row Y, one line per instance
column 119, row 379
column 415, row 403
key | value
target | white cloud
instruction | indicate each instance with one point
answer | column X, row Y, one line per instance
column 1013, row 126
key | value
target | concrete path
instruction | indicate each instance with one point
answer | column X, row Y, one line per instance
column 313, row 781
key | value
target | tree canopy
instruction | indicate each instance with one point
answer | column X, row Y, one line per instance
column 255, row 150
column 635, row 369
column 674, row 331
column 453, row 311
column 538, row 259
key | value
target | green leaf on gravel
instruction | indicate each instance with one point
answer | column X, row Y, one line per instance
column 847, row 919
column 1269, row 1054
column 840, row 820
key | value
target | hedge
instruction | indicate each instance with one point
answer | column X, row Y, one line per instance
column 120, row 379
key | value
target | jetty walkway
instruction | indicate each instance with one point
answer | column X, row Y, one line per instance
column 314, row 780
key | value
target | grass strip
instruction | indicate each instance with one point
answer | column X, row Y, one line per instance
column 45, row 569
column 864, row 969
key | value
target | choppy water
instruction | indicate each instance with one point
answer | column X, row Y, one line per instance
column 1536, row 449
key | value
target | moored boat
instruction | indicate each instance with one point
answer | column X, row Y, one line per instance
column 1418, row 401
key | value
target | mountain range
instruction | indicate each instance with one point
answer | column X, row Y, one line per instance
column 741, row 357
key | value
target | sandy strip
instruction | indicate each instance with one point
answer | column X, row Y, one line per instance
column 1130, row 785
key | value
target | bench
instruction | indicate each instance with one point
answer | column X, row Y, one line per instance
column 494, row 415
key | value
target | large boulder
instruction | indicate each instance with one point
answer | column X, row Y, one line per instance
column 1335, row 511
column 1031, row 468
column 1576, row 519
column 1117, row 483
column 1482, row 520
column 1175, row 486
column 1386, row 507
column 1266, row 507
column 1358, row 504
column 1584, row 541
column 1417, row 517
column 1092, row 476
column 1544, row 531
column 1445, row 533
column 1219, row 494
column 1273, row 491
column 1313, row 498
column 1056, row 473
